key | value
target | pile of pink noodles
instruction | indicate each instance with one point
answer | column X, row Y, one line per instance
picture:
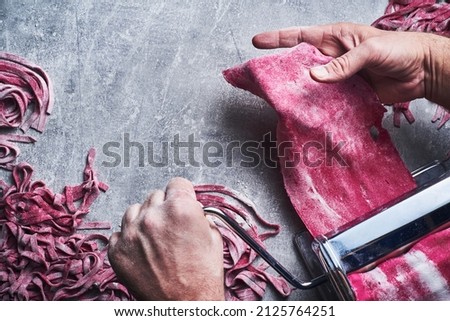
column 42, row 255
column 26, row 100
column 245, row 278
column 416, row 15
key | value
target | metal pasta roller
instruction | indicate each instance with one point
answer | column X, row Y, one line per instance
column 382, row 233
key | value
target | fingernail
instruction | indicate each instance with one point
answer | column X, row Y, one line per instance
column 320, row 72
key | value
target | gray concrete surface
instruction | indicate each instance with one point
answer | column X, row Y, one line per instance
column 152, row 69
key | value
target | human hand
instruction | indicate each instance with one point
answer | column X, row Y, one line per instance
column 167, row 249
column 400, row 66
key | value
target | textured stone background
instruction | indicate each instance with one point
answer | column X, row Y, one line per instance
column 152, row 69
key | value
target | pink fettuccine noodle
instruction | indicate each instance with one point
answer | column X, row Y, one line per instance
column 9, row 151
column 245, row 278
column 416, row 15
column 42, row 255
column 22, row 85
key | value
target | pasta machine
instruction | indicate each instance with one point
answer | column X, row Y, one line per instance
column 364, row 243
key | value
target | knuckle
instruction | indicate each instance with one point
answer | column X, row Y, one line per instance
column 111, row 252
column 343, row 28
column 374, row 46
column 113, row 245
column 180, row 194
column 154, row 193
column 149, row 224
column 151, row 194
column 175, row 206
column 181, row 208
column 179, row 180
column 340, row 65
column 131, row 210
column 130, row 214
column 179, row 188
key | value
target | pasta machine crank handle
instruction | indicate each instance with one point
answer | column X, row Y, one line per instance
column 263, row 253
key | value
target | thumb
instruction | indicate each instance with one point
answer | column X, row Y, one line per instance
column 342, row 67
